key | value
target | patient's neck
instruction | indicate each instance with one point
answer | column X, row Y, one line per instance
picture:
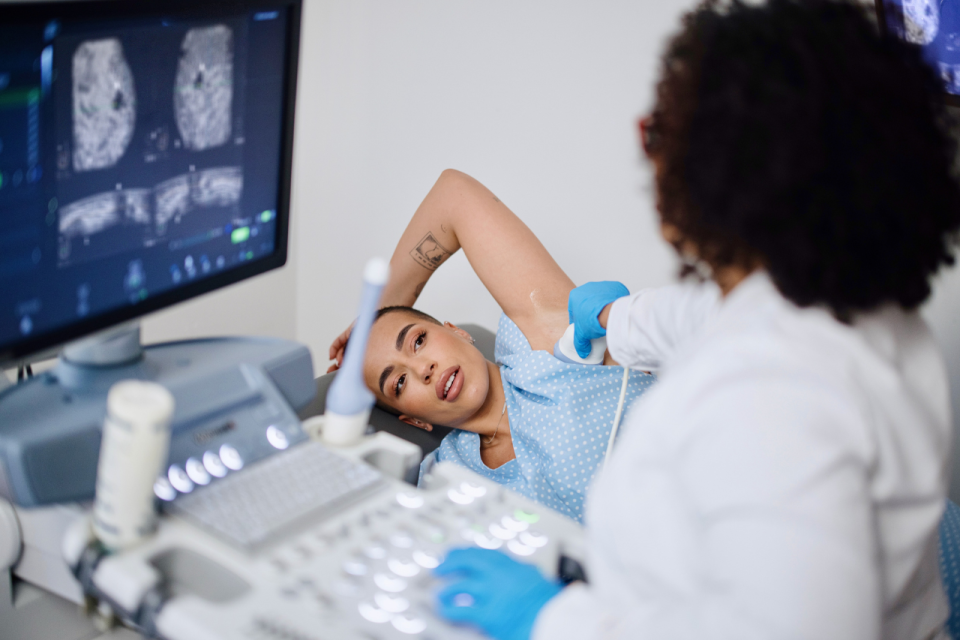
column 484, row 421
column 496, row 442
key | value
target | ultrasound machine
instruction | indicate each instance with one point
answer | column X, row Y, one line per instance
column 145, row 159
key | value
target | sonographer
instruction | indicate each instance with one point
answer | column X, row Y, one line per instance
column 786, row 476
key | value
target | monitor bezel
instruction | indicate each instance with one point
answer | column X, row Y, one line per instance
column 948, row 98
column 21, row 349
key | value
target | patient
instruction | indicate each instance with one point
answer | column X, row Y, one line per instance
column 529, row 421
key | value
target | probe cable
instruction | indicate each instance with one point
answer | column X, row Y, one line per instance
column 616, row 418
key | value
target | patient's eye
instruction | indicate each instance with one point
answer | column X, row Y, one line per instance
column 419, row 340
column 398, row 387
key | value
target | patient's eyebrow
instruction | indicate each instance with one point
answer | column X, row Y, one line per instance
column 403, row 335
column 383, row 377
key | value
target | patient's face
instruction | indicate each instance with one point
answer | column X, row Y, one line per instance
column 426, row 371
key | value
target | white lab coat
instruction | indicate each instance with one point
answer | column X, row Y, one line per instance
column 784, row 479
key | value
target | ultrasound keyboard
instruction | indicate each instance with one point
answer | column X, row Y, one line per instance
column 267, row 499
column 352, row 560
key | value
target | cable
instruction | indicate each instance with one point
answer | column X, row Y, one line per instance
column 616, row 418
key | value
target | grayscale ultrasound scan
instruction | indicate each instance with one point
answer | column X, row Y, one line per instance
column 104, row 104
column 203, row 96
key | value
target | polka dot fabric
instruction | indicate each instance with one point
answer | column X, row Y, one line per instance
column 560, row 417
column 950, row 564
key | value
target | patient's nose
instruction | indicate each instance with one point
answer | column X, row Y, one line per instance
column 427, row 371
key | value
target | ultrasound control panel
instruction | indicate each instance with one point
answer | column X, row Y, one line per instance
column 267, row 559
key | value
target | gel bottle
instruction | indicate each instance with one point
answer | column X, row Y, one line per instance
column 134, row 450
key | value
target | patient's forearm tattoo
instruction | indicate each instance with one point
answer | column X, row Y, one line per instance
column 429, row 253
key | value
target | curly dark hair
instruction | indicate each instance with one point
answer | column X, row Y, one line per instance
column 794, row 136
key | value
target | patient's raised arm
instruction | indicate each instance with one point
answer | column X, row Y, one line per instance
column 513, row 265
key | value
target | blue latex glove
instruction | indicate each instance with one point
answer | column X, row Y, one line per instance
column 493, row 592
column 584, row 305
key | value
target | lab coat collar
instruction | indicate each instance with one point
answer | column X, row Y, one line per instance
column 751, row 291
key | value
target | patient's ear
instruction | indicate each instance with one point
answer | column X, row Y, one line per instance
column 460, row 332
column 413, row 422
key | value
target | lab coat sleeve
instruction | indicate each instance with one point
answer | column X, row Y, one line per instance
column 758, row 526
column 645, row 329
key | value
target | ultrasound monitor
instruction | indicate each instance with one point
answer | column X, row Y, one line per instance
column 934, row 26
column 144, row 157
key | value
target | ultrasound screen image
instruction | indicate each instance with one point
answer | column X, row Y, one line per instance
column 96, row 213
column 934, row 25
column 104, row 104
column 203, row 97
column 156, row 113
column 217, row 187
column 140, row 154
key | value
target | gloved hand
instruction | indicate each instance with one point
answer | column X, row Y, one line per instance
column 493, row 592
column 584, row 305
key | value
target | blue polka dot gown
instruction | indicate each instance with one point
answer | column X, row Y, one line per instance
column 561, row 416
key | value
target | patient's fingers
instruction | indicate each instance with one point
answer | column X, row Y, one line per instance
column 333, row 367
column 336, row 347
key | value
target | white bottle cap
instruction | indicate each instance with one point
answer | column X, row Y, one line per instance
column 377, row 271
column 139, row 402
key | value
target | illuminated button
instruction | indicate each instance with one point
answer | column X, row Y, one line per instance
column 355, row 567
column 389, row 583
column 514, row 525
column 179, row 479
column 435, row 533
column 486, row 542
column 426, row 560
column 214, row 465
column 519, row 548
column 277, row 438
column 410, row 500
column 473, row 490
column 403, row 569
column 373, row 614
column 164, row 490
column 502, row 532
column 401, row 540
column 196, row 472
column 533, row 539
column 408, row 624
column 375, row 552
column 458, row 497
column 524, row 516
column 231, row 457
column 393, row 604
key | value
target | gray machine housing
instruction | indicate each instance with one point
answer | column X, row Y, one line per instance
column 227, row 391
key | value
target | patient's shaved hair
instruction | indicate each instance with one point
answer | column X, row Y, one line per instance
column 408, row 310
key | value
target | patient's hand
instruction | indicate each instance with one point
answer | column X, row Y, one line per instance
column 337, row 347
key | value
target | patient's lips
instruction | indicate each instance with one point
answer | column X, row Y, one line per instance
column 450, row 383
